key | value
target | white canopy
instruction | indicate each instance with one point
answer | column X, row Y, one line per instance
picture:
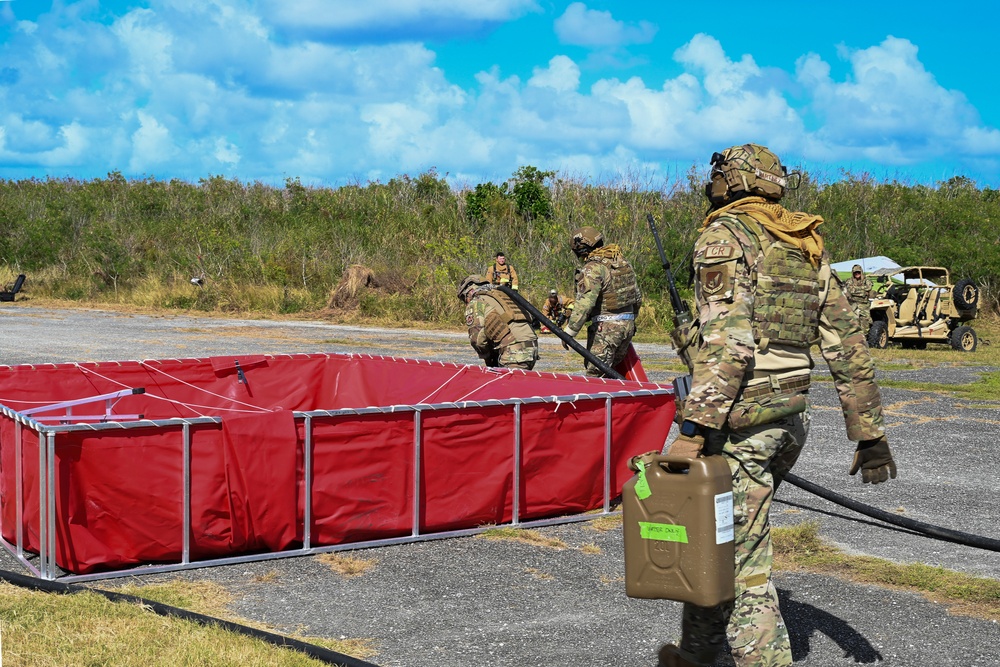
column 868, row 264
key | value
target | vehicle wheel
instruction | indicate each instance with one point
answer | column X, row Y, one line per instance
column 964, row 338
column 878, row 335
column 965, row 294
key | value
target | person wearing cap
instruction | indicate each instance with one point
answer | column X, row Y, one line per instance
column 557, row 309
column 502, row 272
column 859, row 289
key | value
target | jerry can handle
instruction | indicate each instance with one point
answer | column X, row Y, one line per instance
column 673, row 463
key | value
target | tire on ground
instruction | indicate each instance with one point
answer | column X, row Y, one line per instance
column 964, row 338
column 878, row 335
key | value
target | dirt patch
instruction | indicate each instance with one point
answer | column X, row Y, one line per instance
column 359, row 279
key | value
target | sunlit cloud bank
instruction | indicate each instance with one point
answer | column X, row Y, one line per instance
column 344, row 92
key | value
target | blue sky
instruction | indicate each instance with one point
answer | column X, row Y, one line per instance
column 342, row 91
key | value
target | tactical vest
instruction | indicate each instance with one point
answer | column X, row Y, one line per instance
column 786, row 288
column 497, row 325
column 500, row 274
column 622, row 292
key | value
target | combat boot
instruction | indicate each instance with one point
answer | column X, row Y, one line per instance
column 668, row 657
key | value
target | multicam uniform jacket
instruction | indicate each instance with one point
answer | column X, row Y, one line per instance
column 500, row 336
column 729, row 353
column 605, row 285
column 858, row 291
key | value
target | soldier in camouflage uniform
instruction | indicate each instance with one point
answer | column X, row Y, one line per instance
column 764, row 293
column 859, row 291
column 499, row 330
column 607, row 294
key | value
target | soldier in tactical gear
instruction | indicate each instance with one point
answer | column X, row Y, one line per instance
column 607, row 294
column 499, row 330
column 859, row 290
column 764, row 293
column 502, row 272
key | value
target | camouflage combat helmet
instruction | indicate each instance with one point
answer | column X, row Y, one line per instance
column 469, row 283
column 585, row 239
column 744, row 171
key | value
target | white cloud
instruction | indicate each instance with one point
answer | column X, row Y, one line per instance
column 148, row 44
column 192, row 87
column 890, row 108
column 598, row 29
column 722, row 75
column 151, row 144
column 226, row 152
column 68, row 146
column 387, row 20
column 562, row 75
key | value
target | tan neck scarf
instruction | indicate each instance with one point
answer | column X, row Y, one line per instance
column 612, row 251
column 798, row 229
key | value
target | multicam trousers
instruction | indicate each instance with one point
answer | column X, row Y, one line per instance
column 863, row 311
column 759, row 457
column 608, row 341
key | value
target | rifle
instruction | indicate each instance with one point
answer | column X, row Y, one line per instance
column 684, row 331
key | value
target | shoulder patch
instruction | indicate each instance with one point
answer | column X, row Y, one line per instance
column 715, row 251
column 720, row 251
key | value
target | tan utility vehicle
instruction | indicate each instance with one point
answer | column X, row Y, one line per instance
column 917, row 305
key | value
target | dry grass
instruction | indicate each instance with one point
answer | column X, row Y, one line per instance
column 799, row 548
column 527, row 536
column 347, row 566
column 538, row 574
column 605, row 523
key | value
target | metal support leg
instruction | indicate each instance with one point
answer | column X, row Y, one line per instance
column 308, row 484
column 607, row 455
column 186, row 501
column 50, row 464
column 417, row 447
column 516, row 492
column 18, row 489
column 43, row 507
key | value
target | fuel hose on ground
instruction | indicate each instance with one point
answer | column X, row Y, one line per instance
column 563, row 336
column 313, row 651
column 930, row 530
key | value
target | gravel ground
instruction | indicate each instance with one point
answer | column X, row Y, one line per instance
column 466, row 602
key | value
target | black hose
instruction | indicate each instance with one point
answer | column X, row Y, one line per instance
column 930, row 530
column 313, row 651
column 563, row 336
column 938, row 532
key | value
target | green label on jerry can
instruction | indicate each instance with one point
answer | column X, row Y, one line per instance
column 664, row 532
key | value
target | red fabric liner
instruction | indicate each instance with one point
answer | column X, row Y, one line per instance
column 630, row 367
column 119, row 493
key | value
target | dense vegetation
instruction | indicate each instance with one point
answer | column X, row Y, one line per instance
column 283, row 249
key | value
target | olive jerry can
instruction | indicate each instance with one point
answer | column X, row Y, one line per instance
column 679, row 531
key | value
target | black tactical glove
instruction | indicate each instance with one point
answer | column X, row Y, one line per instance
column 874, row 460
